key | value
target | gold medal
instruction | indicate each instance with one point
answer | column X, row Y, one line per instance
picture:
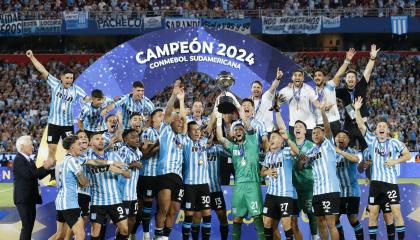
column 179, row 145
column 200, row 162
column 243, row 162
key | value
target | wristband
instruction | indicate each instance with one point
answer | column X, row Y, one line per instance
column 373, row 59
column 278, row 79
column 111, row 162
column 347, row 61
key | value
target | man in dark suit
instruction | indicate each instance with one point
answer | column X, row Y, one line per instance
column 25, row 184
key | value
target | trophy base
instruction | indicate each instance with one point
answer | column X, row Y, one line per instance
column 226, row 105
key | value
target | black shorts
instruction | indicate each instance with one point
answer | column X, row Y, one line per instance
column 217, row 201
column 56, row 132
column 146, row 187
column 277, row 207
column 90, row 133
column 196, row 197
column 349, row 205
column 295, row 210
column 326, row 204
column 384, row 207
column 131, row 208
column 382, row 192
column 84, row 203
column 174, row 183
column 69, row 216
column 116, row 213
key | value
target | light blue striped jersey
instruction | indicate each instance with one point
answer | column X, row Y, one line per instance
column 129, row 155
column 257, row 125
column 324, row 167
column 170, row 151
column 346, row 173
column 62, row 99
column 195, row 168
column 82, row 160
column 381, row 152
column 129, row 106
column 91, row 116
column 67, row 193
column 107, row 138
column 150, row 164
column 215, row 155
column 104, row 184
column 202, row 122
column 282, row 161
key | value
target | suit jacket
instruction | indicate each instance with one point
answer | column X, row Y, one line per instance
column 25, row 182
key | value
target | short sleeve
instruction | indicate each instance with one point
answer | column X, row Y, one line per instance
column 398, row 145
column 73, row 166
column 122, row 101
column 285, row 92
column 369, row 137
column 266, row 162
column 311, row 94
column 80, row 92
column 330, row 85
column 149, row 105
column 53, row 81
column 82, row 113
column 263, row 131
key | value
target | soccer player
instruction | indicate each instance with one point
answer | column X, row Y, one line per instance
column 197, row 114
column 135, row 102
column 106, row 198
column 136, row 122
column 112, row 137
column 63, row 95
column 278, row 164
column 347, row 161
column 92, row 116
column 326, row 199
column 70, row 176
column 146, row 185
column 350, row 92
column 246, row 196
column 300, row 97
column 131, row 155
column 325, row 90
column 302, row 177
column 196, row 181
column 263, row 104
column 172, row 137
column 386, row 153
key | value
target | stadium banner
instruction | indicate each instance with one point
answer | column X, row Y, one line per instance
column 120, row 23
column 76, row 20
column 9, row 17
column 331, row 22
column 236, row 25
column 176, row 22
column 41, row 26
column 291, row 25
column 399, row 25
column 11, row 29
column 152, row 22
column 6, row 175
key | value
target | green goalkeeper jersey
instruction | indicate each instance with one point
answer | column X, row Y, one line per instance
column 245, row 158
column 303, row 178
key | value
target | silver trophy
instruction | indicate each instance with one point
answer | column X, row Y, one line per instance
column 224, row 81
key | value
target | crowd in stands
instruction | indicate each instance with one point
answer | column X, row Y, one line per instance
column 348, row 8
column 394, row 95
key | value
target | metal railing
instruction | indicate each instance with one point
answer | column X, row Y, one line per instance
column 343, row 12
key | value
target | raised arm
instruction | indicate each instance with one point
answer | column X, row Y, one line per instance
column 349, row 56
column 292, row 145
column 276, row 81
column 182, row 111
column 348, row 156
column 359, row 120
column 371, row 62
column 219, row 131
column 37, row 64
column 171, row 101
column 280, row 121
column 327, row 126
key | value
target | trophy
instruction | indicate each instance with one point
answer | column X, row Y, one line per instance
column 278, row 101
column 224, row 81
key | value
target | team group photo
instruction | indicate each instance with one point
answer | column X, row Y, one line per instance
column 209, row 120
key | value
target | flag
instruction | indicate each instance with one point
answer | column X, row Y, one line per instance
column 399, row 25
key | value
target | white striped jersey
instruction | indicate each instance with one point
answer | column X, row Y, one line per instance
column 258, row 126
column 82, row 159
column 170, row 151
column 129, row 106
column 381, row 152
column 67, row 193
column 324, row 167
column 150, row 164
column 282, row 161
column 195, row 168
column 62, row 99
column 104, row 184
column 92, row 118
column 215, row 154
column 129, row 155
column 347, row 175
column 202, row 122
column 107, row 138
